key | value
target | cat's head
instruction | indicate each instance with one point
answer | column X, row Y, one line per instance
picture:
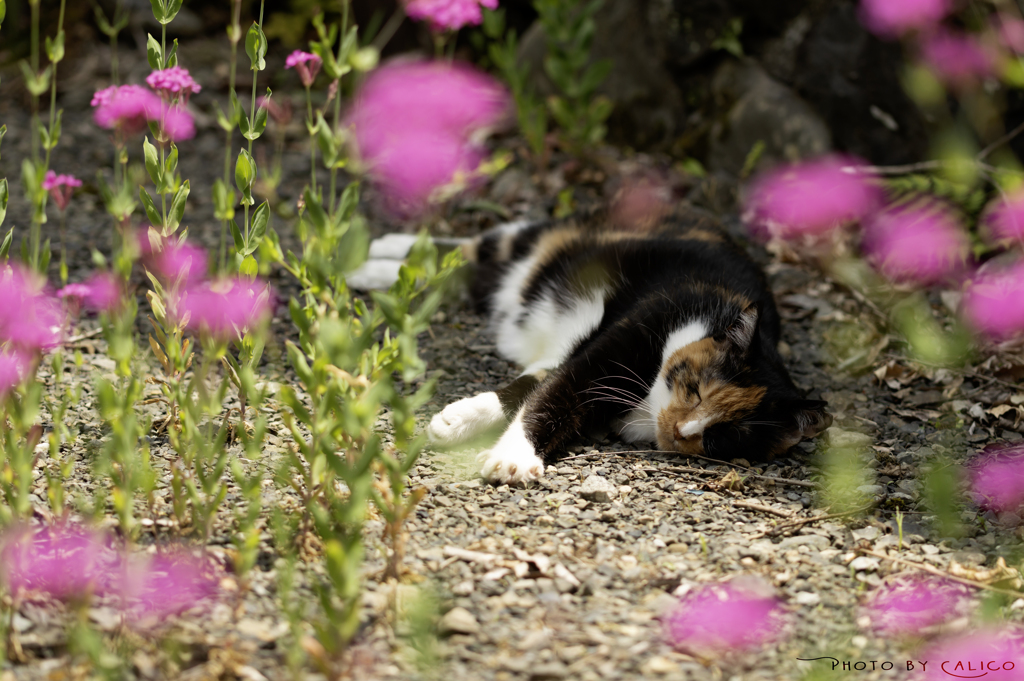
column 724, row 397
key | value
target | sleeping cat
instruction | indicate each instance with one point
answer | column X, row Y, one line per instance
column 668, row 336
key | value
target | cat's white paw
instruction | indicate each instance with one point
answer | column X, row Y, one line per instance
column 462, row 420
column 513, row 459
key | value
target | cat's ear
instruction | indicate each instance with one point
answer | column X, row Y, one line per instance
column 742, row 331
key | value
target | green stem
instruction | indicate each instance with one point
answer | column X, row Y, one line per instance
column 252, row 122
column 229, row 134
column 312, row 141
column 113, row 44
column 53, row 88
column 163, row 45
column 34, row 56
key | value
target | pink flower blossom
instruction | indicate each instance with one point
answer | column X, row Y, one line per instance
column 224, row 309
column 996, row 478
column 61, row 187
column 993, row 303
column 128, row 107
column 641, row 203
column 1003, row 221
column 910, row 604
column 893, row 18
column 131, row 107
column 411, row 156
column 306, row 63
column 717, row 619
column 810, row 198
column 956, row 58
column 14, row 366
column 30, row 318
column 166, row 584
column 279, row 108
column 101, row 292
column 921, row 244
column 448, row 14
column 64, row 562
column 174, row 262
column 992, row 654
column 173, row 82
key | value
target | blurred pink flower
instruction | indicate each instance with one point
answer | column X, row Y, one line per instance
column 721, row 618
column 306, row 63
column 996, row 478
column 893, row 18
column 641, row 203
column 910, row 604
column 1003, row 221
column 279, row 108
column 172, row 82
column 448, row 14
column 101, row 292
column 14, row 365
column 30, row 318
column 993, row 303
column 131, row 107
column 174, row 262
column 61, row 187
column 224, row 309
column 411, row 156
column 958, row 59
column 165, row 584
column 128, row 107
column 992, row 654
column 810, row 198
column 1010, row 30
column 921, row 244
column 65, row 562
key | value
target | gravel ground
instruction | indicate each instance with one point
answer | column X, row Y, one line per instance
column 566, row 578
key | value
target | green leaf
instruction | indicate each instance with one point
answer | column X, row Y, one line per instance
column 256, row 47
column 260, row 221
column 158, row 11
column 154, row 54
column 170, row 169
column 4, row 195
column 353, row 247
column 3, row 10
column 36, row 84
column 325, row 140
column 5, row 247
column 173, row 7
column 245, row 175
column 222, row 120
column 172, row 55
column 349, row 201
column 236, row 234
column 152, row 163
column 147, row 203
column 55, row 47
column 223, row 201
column 177, row 208
column 316, row 212
column 249, row 268
column 53, row 135
column 101, row 21
column 261, row 120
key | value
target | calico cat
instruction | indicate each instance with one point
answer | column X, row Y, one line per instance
column 668, row 336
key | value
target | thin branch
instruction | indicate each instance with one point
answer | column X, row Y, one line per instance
column 999, row 142
column 924, row 567
column 754, row 506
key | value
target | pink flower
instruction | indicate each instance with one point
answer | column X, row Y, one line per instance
column 641, row 203
column 810, row 198
column 996, row 478
column 306, row 63
column 910, row 604
column 922, row 244
column 411, row 156
column 174, row 262
column 64, row 562
column 14, row 366
column 279, row 108
column 956, row 58
column 993, row 303
column 61, row 187
column 166, row 584
column 101, row 292
column 30, row 318
column 893, row 18
column 128, row 107
column 1003, row 220
column 717, row 619
column 173, row 82
column 448, row 14
column 224, row 309
column 131, row 107
column 993, row 654
column 1011, row 32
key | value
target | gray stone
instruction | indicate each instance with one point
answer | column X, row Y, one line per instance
column 459, row 621
column 598, row 489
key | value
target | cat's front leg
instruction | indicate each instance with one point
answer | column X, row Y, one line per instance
column 513, row 458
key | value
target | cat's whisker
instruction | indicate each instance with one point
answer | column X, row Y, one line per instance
column 639, row 380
